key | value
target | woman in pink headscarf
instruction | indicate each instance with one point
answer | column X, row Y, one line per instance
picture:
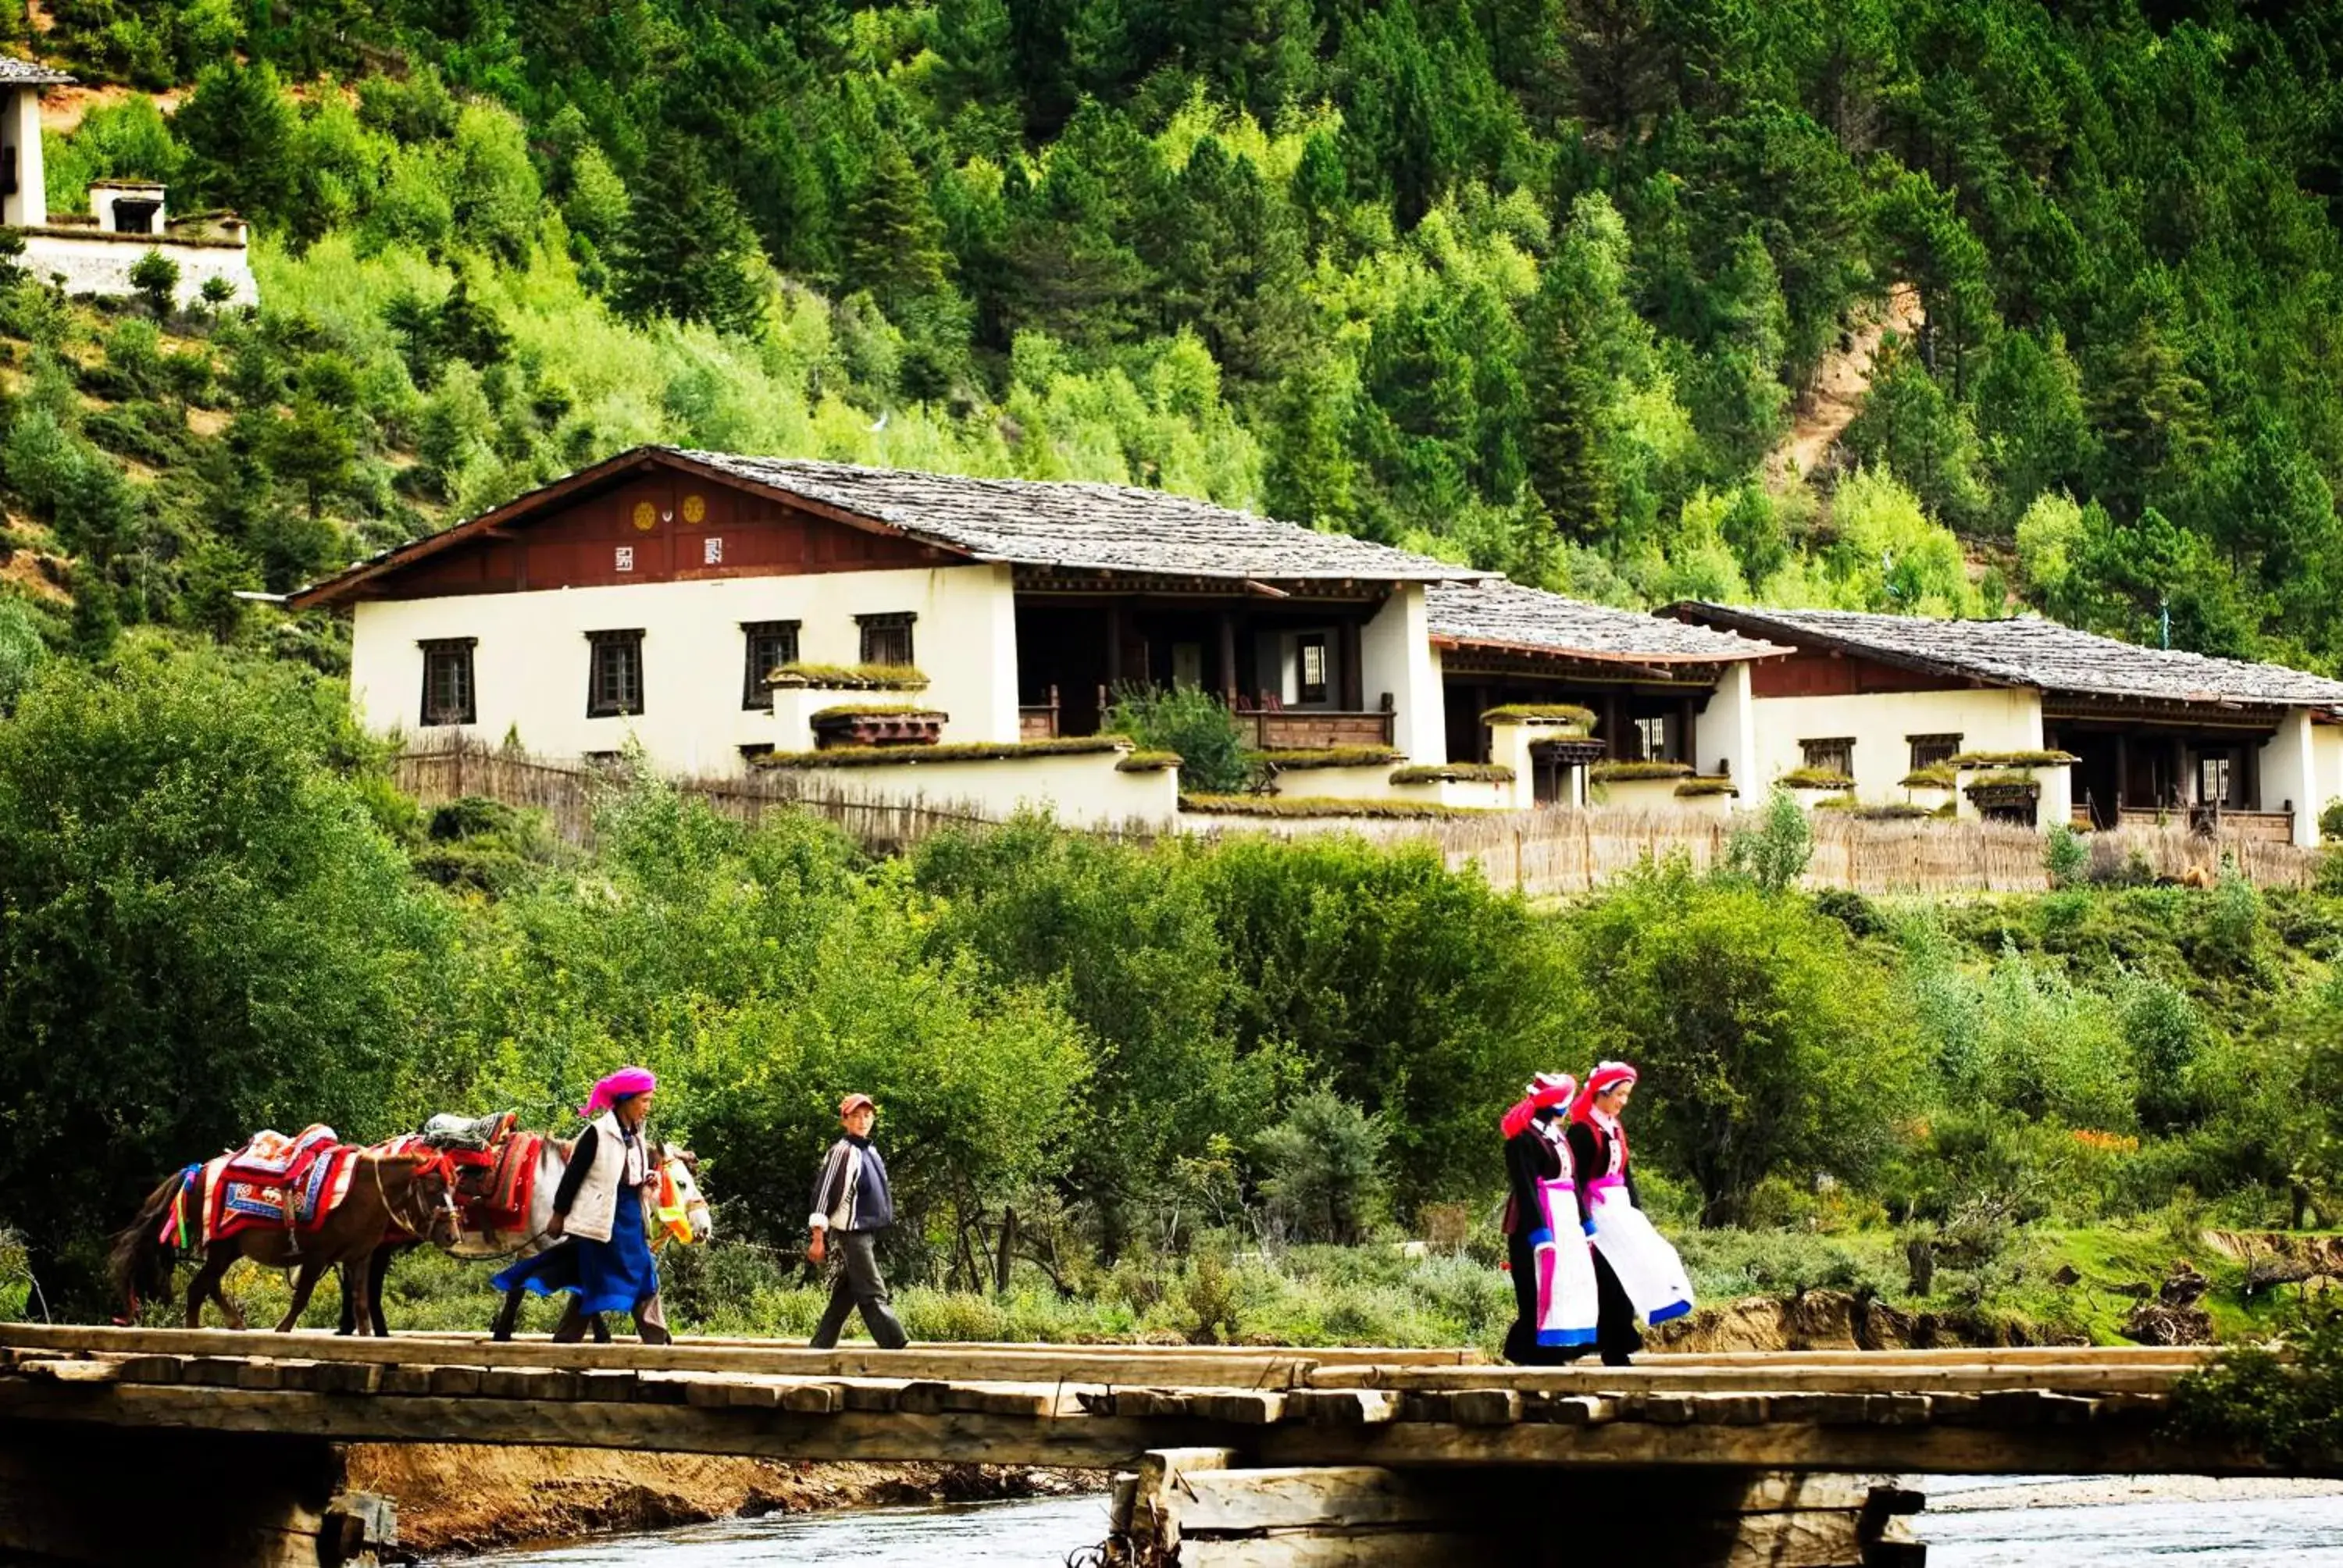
column 605, row 1261
column 1637, row 1272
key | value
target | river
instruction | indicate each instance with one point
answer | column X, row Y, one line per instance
column 2000, row 1523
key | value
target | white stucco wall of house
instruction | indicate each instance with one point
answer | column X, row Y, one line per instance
column 1988, row 719
column 1081, row 790
column 92, row 261
column 1396, row 656
column 2327, row 767
column 2290, row 774
column 530, row 661
column 20, row 133
column 1726, row 734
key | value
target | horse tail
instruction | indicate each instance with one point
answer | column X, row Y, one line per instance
column 143, row 1252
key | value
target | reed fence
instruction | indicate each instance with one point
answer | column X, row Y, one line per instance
column 1549, row 852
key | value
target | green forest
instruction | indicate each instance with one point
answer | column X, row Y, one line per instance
column 1220, row 1083
column 1536, row 283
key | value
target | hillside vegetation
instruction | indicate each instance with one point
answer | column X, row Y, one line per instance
column 1533, row 283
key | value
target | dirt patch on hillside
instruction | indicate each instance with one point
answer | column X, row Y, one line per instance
column 454, row 1498
column 1829, row 406
column 1832, row 1321
column 64, row 108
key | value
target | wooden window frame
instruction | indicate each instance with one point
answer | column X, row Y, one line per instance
column 459, row 648
column 1304, row 688
column 1928, row 750
column 597, row 707
column 1844, row 745
column 754, row 692
column 883, row 625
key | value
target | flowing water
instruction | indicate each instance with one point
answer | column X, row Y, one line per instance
column 2001, row 1524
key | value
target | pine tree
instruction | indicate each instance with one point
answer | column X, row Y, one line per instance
column 894, row 241
column 689, row 252
column 238, row 125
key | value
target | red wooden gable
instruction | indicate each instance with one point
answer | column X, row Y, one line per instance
column 668, row 524
column 1818, row 672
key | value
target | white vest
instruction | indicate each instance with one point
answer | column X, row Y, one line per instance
column 594, row 1209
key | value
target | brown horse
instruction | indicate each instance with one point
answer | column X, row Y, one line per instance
column 411, row 1195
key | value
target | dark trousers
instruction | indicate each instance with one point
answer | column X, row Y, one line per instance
column 650, row 1323
column 854, row 1282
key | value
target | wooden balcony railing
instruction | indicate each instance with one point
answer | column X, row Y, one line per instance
column 1039, row 720
column 1303, row 729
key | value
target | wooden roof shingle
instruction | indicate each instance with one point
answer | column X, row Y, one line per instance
column 1083, row 527
column 1498, row 614
column 2030, row 651
column 16, row 73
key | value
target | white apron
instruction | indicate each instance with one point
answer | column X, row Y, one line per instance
column 1648, row 1268
column 1558, row 1251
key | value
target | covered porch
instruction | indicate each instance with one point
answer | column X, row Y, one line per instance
column 1641, row 714
column 2148, row 763
column 1299, row 670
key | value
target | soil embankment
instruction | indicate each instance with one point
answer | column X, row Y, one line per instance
column 456, row 1498
column 1827, row 1321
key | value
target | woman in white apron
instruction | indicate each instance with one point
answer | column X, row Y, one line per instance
column 1637, row 1272
column 1545, row 1239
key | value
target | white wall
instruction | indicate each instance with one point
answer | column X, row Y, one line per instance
column 2326, row 757
column 1726, row 734
column 1081, row 789
column 529, row 666
column 2289, row 772
column 1991, row 720
column 1397, row 655
column 94, row 262
column 20, row 127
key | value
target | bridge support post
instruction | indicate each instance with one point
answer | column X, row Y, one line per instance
column 111, row 1497
column 1199, row 1508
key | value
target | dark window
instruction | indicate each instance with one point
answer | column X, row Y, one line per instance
column 447, row 697
column 1312, row 649
column 1834, row 755
column 135, row 216
column 1656, row 739
column 770, row 645
column 752, row 750
column 887, row 638
column 614, row 681
column 1928, row 750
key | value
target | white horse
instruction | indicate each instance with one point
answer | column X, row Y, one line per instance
column 680, row 1214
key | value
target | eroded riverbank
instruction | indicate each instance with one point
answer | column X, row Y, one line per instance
column 458, row 1499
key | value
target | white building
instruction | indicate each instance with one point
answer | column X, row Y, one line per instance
column 94, row 253
column 650, row 599
column 2030, row 718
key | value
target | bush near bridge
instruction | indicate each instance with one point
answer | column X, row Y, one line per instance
column 219, row 916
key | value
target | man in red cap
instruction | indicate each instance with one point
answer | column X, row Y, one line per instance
column 850, row 1206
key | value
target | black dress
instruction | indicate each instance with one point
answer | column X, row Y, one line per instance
column 1615, row 1335
column 1528, row 1159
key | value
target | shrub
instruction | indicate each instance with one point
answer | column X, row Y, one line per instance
column 2330, row 820
column 1772, row 853
column 156, row 276
column 2292, row 1410
column 1192, row 722
column 2065, row 855
column 21, row 651
column 1325, row 1178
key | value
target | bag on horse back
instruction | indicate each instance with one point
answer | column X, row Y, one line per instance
column 448, row 1130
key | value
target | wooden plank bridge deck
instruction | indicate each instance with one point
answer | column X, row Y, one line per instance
column 1273, row 1456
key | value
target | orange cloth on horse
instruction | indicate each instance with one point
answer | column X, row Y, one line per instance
column 228, row 1203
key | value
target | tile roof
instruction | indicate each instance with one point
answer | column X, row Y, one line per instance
column 14, row 72
column 1501, row 614
column 2028, row 650
column 1083, row 527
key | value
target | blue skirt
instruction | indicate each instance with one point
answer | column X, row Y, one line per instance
column 614, row 1276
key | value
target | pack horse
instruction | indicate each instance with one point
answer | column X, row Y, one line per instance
column 475, row 1188
column 307, row 1203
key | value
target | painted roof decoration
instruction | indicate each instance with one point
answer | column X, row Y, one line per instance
column 1052, row 525
column 2026, row 650
column 1081, row 526
column 16, row 73
column 1498, row 614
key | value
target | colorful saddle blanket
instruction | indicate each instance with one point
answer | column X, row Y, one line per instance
column 214, row 1202
column 493, row 1185
column 272, row 1158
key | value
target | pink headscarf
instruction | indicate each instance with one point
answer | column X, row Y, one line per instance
column 1607, row 1075
column 626, row 1081
column 1546, row 1091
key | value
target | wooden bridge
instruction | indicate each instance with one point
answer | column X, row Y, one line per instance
column 1233, row 1456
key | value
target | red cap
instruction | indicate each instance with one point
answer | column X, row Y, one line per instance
column 854, row 1102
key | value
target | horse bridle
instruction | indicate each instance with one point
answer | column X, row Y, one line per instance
column 421, row 1231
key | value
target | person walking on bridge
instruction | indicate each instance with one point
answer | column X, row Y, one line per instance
column 1637, row 1272
column 605, row 1261
column 850, row 1206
